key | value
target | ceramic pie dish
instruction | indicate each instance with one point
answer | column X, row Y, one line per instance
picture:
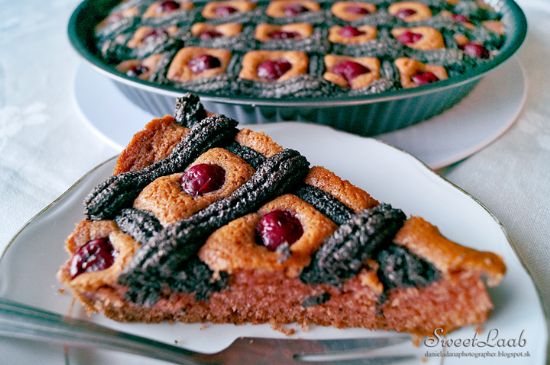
column 383, row 66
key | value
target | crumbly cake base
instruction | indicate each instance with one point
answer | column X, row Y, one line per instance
column 270, row 297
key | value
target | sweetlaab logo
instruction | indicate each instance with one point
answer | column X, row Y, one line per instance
column 490, row 345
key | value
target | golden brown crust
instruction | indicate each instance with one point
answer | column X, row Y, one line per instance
column 179, row 70
column 423, row 11
column 155, row 11
column 150, row 62
column 276, row 9
column 234, row 247
column 408, row 67
column 425, row 240
column 339, row 10
column 258, row 141
column 114, row 17
column 335, row 37
column 448, row 14
column 124, row 245
column 461, row 39
column 153, row 143
column 227, row 29
column 252, row 59
column 431, row 37
column 209, row 11
column 348, row 194
column 495, row 26
column 359, row 82
column 165, row 198
column 139, row 37
column 263, row 30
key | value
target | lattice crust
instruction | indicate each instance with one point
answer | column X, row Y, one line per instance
column 168, row 243
column 143, row 41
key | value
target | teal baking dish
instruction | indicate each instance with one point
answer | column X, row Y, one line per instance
column 361, row 114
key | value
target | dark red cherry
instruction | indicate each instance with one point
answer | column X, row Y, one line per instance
column 137, row 70
column 168, row 5
column 476, row 50
column 210, row 34
column 153, row 35
column 278, row 227
column 224, row 10
column 460, row 18
column 94, row 255
column 354, row 9
column 295, row 9
column 114, row 18
column 405, row 13
column 348, row 31
column 408, row 37
column 282, row 34
column 424, row 77
column 273, row 69
column 202, row 178
column 350, row 70
column 203, row 62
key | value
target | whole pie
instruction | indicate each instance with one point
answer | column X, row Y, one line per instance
column 202, row 221
column 455, row 36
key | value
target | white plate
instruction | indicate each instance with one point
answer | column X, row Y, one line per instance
column 475, row 122
column 27, row 269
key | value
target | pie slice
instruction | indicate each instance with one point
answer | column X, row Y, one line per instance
column 202, row 221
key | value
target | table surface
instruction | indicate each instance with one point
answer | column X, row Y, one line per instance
column 45, row 147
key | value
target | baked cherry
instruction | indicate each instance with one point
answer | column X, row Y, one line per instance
column 349, row 31
column 355, row 9
column 460, row 18
column 115, row 18
column 137, row 70
column 202, row 178
column 278, row 227
column 477, row 50
column 167, row 6
column 405, row 13
column 210, row 34
column 295, row 9
column 350, row 70
column 424, row 77
column 408, row 37
column 153, row 35
column 283, row 34
column 224, row 10
column 95, row 255
column 203, row 62
column 273, row 69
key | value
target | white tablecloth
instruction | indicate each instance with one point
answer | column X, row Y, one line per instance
column 45, row 147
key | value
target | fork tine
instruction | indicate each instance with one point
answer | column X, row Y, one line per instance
column 378, row 360
column 300, row 351
column 302, row 346
column 361, row 343
column 355, row 351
